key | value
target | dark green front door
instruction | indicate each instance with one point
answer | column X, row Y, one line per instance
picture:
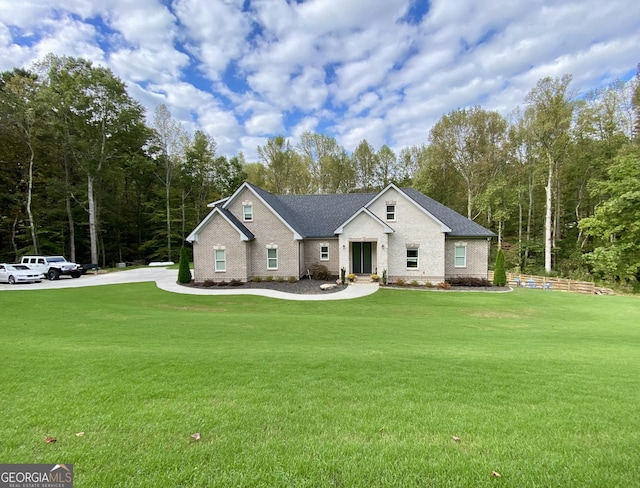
column 361, row 257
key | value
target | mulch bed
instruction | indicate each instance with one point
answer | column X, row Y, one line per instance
column 312, row 287
column 302, row 287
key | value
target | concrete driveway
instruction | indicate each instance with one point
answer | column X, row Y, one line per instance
column 165, row 279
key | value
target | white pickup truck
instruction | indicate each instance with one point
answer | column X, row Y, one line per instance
column 52, row 266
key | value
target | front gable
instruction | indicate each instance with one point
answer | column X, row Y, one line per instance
column 244, row 233
column 392, row 195
column 364, row 218
column 248, row 194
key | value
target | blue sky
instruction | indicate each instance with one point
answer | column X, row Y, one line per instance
column 381, row 70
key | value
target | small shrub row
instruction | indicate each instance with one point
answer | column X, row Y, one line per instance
column 468, row 281
column 233, row 282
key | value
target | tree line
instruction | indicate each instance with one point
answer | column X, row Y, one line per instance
column 558, row 180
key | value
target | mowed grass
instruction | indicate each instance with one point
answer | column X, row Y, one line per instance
column 540, row 387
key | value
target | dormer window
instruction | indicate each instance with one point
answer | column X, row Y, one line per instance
column 247, row 212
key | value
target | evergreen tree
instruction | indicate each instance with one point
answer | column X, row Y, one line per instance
column 184, row 273
column 500, row 274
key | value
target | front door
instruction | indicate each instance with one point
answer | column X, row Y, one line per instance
column 361, row 257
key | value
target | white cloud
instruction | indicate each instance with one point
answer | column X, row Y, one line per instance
column 143, row 22
column 351, row 132
column 215, row 32
column 264, row 124
column 351, row 66
column 307, row 124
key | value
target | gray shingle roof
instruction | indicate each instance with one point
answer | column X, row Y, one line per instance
column 320, row 215
column 236, row 222
column 459, row 224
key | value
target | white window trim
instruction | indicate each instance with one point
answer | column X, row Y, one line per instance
column 417, row 258
column 461, row 245
column 215, row 259
column 244, row 213
column 386, row 211
column 323, row 244
column 270, row 247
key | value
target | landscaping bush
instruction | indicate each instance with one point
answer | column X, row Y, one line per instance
column 184, row 273
column 443, row 285
column 209, row 283
column 414, row 283
column 500, row 274
column 468, row 281
column 292, row 279
column 256, row 279
column 223, row 283
column 236, row 282
column 320, row 272
column 401, row 282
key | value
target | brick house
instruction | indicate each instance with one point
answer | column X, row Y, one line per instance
column 254, row 233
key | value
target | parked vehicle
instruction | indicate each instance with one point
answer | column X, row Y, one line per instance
column 52, row 267
column 19, row 273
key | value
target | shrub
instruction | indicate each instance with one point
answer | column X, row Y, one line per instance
column 268, row 278
column 184, row 273
column 401, row 282
column 351, row 277
column 414, row 283
column 468, row 281
column 343, row 273
column 223, row 283
column 209, row 283
column 319, row 272
column 235, row 282
column 375, row 278
column 500, row 274
column 428, row 284
column 384, row 276
column 280, row 279
column 443, row 285
column 292, row 279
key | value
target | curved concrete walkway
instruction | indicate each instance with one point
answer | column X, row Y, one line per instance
column 165, row 279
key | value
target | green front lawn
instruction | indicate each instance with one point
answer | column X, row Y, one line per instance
column 540, row 387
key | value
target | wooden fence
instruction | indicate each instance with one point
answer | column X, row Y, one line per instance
column 546, row 283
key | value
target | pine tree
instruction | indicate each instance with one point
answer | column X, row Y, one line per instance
column 500, row 274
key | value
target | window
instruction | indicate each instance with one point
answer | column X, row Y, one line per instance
column 412, row 257
column 391, row 212
column 247, row 213
column 272, row 258
column 324, row 252
column 221, row 260
column 461, row 256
